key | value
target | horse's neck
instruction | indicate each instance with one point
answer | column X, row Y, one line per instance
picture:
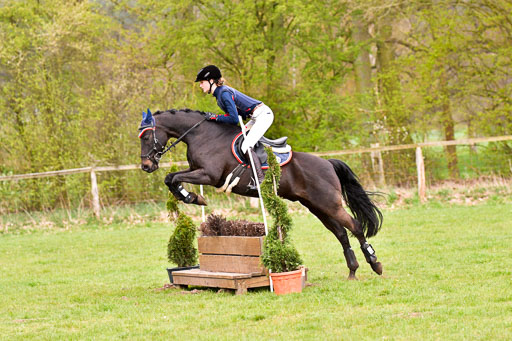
column 177, row 124
column 206, row 132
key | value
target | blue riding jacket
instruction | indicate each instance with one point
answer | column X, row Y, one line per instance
column 233, row 103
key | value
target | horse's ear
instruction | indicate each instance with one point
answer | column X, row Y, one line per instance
column 147, row 118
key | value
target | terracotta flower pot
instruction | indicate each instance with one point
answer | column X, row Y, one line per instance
column 287, row 282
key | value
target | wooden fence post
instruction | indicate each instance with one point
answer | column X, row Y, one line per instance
column 95, row 194
column 376, row 156
column 420, row 165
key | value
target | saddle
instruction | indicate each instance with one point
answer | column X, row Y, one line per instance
column 280, row 148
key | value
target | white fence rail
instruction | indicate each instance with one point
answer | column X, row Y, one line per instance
column 375, row 150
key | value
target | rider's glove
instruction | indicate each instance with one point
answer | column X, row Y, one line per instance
column 210, row 116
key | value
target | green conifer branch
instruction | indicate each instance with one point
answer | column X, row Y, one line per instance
column 181, row 249
column 279, row 254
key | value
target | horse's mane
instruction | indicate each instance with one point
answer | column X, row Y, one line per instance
column 226, row 127
column 174, row 111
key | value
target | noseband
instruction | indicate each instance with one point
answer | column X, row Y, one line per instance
column 158, row 154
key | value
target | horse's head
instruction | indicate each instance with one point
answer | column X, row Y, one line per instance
column 150, row 146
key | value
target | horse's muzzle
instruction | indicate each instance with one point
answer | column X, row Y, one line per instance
column 149, row 166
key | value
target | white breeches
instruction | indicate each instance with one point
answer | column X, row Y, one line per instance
column 261, row 120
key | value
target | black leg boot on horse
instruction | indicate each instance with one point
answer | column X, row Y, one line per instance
column 371, row 257
column 257, row 166
column 182, row 194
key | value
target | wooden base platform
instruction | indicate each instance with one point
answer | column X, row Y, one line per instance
column 227, row 280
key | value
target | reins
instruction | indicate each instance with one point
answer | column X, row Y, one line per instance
column 158, row 155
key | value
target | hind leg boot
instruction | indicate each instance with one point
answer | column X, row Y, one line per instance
column 371, row 258
column 352, row 263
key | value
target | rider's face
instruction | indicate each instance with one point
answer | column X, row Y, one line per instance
column 205, row 86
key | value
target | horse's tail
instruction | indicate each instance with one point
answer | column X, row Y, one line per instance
column 357, row 199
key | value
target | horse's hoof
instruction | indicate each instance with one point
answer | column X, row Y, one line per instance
column 200, row 201
column 352, row 276
column 377, row 267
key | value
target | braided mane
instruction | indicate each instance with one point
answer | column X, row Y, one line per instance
column 174, row 111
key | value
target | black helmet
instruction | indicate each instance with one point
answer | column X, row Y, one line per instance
column 207, row 73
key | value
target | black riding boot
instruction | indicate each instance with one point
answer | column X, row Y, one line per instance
column 259, row 171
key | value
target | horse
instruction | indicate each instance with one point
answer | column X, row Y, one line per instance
column 320, row 185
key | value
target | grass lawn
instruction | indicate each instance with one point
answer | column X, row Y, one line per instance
column 447, row 275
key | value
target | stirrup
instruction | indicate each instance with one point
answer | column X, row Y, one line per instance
column 252, row 185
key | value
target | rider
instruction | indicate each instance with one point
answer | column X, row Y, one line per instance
column 235, row 103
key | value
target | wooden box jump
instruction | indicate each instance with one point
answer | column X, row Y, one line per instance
column 229, row 262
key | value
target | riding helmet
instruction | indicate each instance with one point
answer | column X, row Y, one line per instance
column 207, row 73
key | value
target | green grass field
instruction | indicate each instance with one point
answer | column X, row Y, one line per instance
column 447, row 275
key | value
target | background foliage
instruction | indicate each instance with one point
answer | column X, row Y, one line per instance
column 75, row 76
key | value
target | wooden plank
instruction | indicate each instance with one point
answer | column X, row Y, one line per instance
column 81, row 170
column 239, row 264
column 257, row 281
column 219, row 280
column 413, row 146
column 137, row 166
column 202, row 273
column 241, row 288
column 241, row 285
column 205, row 282
column 233, row 245
column 45, row 174
column 254, row 282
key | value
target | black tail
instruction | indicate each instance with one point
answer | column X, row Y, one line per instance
column 357, row 199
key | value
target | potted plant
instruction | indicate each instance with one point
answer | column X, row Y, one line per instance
column 279, row 255
column 181, row 249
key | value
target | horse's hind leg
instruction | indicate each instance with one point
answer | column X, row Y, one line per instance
column 336, row 222
column 369, row 253
column 341, row 234
column 349, row 254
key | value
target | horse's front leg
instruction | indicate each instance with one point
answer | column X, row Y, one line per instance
column 197, row 177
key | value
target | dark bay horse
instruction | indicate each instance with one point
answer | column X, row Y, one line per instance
column 316, row 183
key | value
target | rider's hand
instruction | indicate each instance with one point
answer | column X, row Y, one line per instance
column 210, row 116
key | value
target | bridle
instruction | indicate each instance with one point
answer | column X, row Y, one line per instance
column 158, row 154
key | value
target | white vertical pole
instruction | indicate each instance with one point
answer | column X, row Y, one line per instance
column 95, row 194
column 255, row 176
column 420, row 165
column 202, row 207
column 270, row 280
